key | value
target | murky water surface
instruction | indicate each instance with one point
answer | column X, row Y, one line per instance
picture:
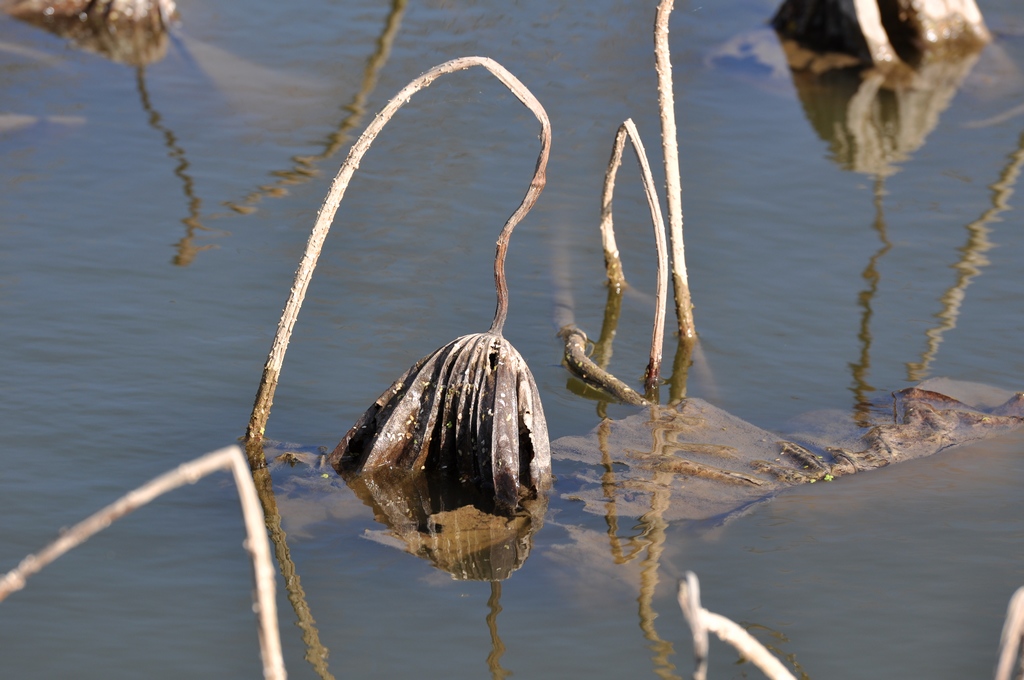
column 151, row 221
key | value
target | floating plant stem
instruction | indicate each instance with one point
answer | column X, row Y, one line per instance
column 275, row 359
column 583, row 367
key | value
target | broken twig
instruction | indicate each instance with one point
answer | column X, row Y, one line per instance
column 1011, row 642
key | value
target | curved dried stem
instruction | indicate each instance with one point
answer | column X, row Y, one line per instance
column 611, row 254
column 256, row 543
column 272, row 368
column 673, row 184
column 702, row 621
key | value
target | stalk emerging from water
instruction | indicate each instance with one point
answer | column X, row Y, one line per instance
column 575, row 358
column 673, row 183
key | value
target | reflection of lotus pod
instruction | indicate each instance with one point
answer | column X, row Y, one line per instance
column 470, row 410
column 449, row 524
column 132, row 32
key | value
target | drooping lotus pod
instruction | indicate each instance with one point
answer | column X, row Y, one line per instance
column 470, row 410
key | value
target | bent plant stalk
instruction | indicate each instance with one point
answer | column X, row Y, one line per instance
column 575, row 339
column 612, row 262
column 702, row 621
column 325, row 217
column 256, row 542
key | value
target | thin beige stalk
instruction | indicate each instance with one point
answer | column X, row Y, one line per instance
column 612, row 260
column 256, row 543
column 611, row 254
column 272, row 368
column 1011, row 642
column 673, row 183
column 702, row 621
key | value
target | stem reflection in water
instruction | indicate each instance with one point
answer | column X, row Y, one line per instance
column 652, row 537
column 861, row 388
column 316, row 652
column 186, row 249
column 971, row 262
column 304, row 167
column 497, row 646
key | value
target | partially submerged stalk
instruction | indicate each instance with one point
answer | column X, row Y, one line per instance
column 576, row 360
column 575, row 340
column 673, row 183
column 275, row 359
column 628, row 129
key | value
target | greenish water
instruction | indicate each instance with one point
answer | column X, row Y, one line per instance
column 138, row 308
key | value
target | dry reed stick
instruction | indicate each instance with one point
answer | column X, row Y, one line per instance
column 613, row 264
column 1011, row 642
column 701, row 621
column 272, row 368
column 673, row 183
column 256, row 543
